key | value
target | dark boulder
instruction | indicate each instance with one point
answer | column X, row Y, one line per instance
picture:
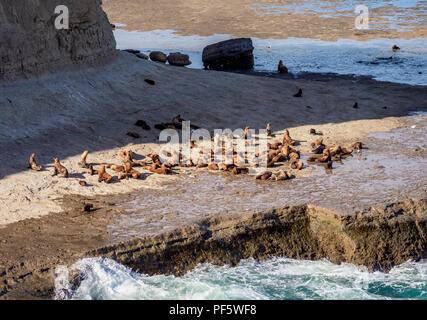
column 158, row 56
column 234, row 54
column 179, row 59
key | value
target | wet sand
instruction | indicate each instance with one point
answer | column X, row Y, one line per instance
column 246, row 18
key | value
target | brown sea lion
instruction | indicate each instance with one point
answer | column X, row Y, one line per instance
column 103, row 176
column 33, row 164
column 60, row 169
column 281, row 67
column 82, row 163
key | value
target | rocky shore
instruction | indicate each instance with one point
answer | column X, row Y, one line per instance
column 371, row 211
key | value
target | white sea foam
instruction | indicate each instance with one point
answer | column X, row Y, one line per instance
column 278, row 278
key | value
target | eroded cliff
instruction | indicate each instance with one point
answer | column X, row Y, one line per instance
column 30, row 44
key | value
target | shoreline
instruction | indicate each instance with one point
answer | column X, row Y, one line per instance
column 49, row 228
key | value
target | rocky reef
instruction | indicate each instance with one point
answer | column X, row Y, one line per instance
column 30, row 44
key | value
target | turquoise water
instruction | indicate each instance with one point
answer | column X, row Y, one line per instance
column 275, row 279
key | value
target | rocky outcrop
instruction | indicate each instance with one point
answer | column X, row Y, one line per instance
column 378, row 239
column 30, row 44
column 234, row 54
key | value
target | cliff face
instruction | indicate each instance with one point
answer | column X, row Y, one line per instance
column 30, row 44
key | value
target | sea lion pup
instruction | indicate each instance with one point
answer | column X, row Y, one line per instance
column 312, row 131
column 356, row 146
column 356, row 105
column 32, row 164
column 264, row 176
column 268, row 129
column 281, row 67
column 155, row 158
column 59, row 169
column 298, row 94
column 82, row 163
column 287, row 140
column 82, row 183
column 104, row 176
column 295, row 164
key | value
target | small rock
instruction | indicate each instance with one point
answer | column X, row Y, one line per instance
column 133, row 51
column 87, row 207
column 179, row 59
column 141, row 55
column 158, row 56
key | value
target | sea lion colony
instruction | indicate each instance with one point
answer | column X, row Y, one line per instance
column 278, row 155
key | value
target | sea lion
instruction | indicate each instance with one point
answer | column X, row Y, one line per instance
column 281, row 67
column 133, row 135
column 395, row 48
column 326, row 157
column 150, row 82
column 87, row 207
column 135, row 174
column 264, row 176
column 82, row 163
column 274, row 146
column 92, row 171
column 59, row 169
column 295, row 164
column 103, row 176
column 280, row 176
column 268, row 129
column 124, row 175
column 298, row 94
column 117, row 168
column 356, row 146
column 33, row 164
column 287, row 140
column 142, row 124
column 213, row 166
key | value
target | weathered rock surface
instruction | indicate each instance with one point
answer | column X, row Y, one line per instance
column 234, row 54
column 179, row 59
column 378, row 239
column 158, row 56
column 30, row 44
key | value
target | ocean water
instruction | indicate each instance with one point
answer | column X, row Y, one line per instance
column 345, row 56
column 274, row 279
